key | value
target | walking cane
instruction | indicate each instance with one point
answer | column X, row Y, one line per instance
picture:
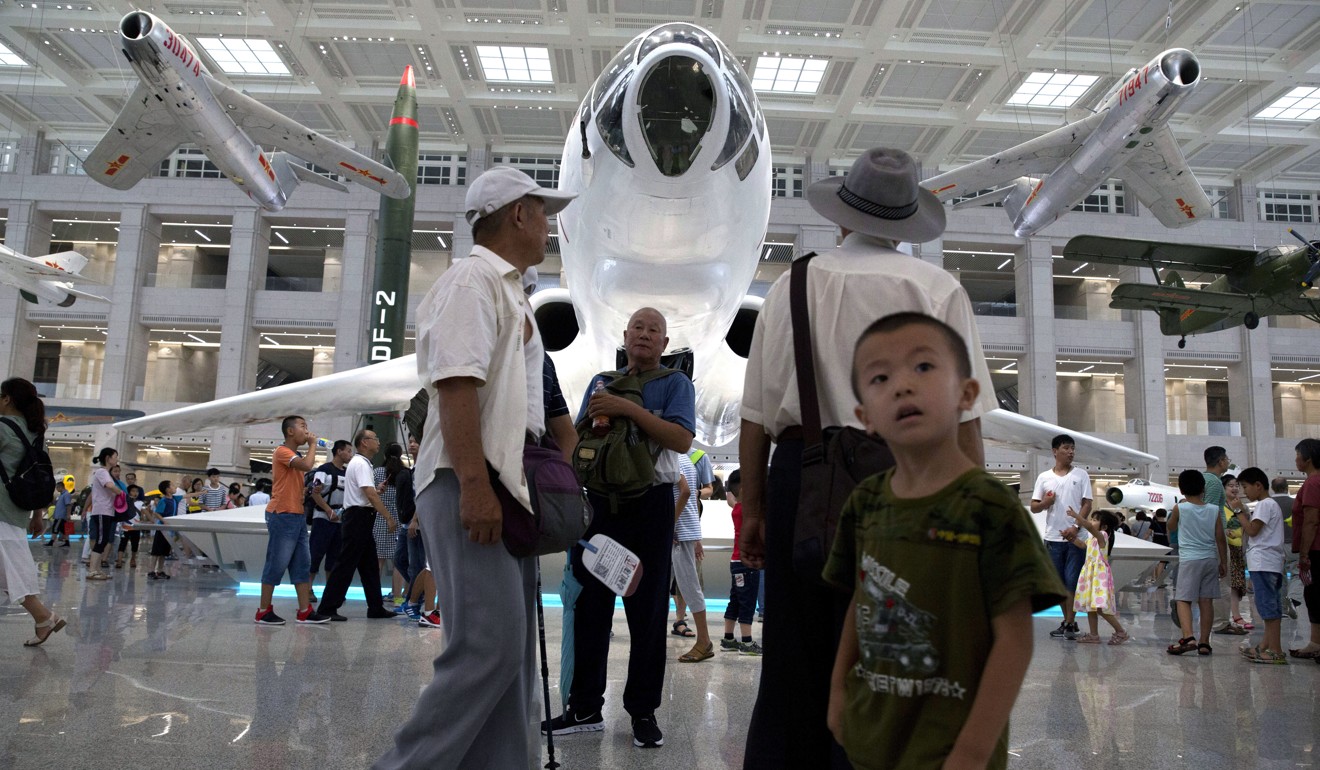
column 545, row 671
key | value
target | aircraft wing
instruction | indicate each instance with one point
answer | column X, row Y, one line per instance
column 143, row 135
column 383, row 387
column 1015, row 431
column 1036, row 157
column 271, row 128
column 1148, row 296
column 84, row 294
column 42, row 269
column 1129, row 251
column 1159, row 176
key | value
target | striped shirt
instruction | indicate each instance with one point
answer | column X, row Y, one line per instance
column 214, row 499
column 689, row 522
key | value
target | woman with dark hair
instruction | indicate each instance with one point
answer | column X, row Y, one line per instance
column 387, row 478
column 25, row 420
column 102, row 527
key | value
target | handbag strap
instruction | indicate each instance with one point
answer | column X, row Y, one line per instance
column 27, row 447
column 803, row 360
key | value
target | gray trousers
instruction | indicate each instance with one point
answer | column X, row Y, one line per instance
column 477, row 710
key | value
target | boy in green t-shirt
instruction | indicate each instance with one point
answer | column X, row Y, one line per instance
column 944, row 565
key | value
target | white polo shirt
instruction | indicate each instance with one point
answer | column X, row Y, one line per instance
column 847, row 289
column 470, row 324
column 356, row 476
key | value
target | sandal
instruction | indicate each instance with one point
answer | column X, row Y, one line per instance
column 1087, row 639
column 1251, row 653
column 1182, row 645
column 97, row 576
column 1246, row 625
column 697, row 654
column 686, row 632
column 1204, row 649
column 1270, row 658
column 1306, row 652
column 1119, row 637
column 54, row 623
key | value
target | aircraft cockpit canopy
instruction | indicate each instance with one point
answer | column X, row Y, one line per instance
column 621, row 61
column 679, row 33
column 1271, row 254
column 676, row 104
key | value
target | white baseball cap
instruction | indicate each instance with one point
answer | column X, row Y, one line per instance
column 499, row 186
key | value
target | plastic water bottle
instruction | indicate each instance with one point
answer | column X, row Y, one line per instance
column 324, row 443
column 600, row 424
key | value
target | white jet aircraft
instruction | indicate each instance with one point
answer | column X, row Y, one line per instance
column 1141, row 493
column 179, row 101
column 47, row 279
column 671, row 163
column 1128, row 137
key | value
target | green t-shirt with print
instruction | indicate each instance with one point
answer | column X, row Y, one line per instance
column 928, row 575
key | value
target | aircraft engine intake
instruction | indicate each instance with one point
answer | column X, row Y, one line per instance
column 135, row 26
column 739, row 336
column 556, row 319
column 1181, row 67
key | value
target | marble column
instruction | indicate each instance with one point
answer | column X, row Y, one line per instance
column 1143, row 383
column 1037, row 384
column 1251, row 396
column 126, row 338
column 249, row 250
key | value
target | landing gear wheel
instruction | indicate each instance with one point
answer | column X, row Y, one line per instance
column 1251, row 320
column 1182, row 343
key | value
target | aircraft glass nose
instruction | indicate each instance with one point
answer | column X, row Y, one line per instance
column 676, row 104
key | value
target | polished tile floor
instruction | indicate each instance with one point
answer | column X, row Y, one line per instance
column 175, row 675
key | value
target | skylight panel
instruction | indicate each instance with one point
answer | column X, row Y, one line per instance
column 1301, row 103
column 515, row 63
column 787, row 75
column 10, row 59
column 244, row 56
column 1052, row 89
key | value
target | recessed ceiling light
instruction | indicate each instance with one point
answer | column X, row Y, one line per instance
column 1056, row 89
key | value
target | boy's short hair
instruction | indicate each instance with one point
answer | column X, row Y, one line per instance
column 1063, row 439
column 734, row 482
column 1191, row 482
column 896, row 321
column 1254, row 475
column 1213, row 455
column 212, row 471
column 164, row 486
column 287, row 424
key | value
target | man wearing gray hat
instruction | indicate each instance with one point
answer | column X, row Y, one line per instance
column 480, row 353
column 879, row 204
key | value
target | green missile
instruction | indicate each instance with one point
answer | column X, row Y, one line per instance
column 389, row 296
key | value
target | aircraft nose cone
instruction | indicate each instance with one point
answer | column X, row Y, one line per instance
column 136, row 25
column 1181, row 67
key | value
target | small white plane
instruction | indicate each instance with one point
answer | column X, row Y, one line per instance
column 48, row 279
column 1128, row 137
column 1143, row 493
column 178, row 101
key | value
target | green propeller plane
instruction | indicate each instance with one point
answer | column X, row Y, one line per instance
column 1251, row 284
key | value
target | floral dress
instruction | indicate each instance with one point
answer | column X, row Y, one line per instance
column 381, row 529
column 1095, row 586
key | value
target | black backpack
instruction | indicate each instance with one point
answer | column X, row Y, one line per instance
column 309, row 505
column 32, row 487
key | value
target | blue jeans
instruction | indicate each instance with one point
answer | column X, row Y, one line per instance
column 1067, row 559
column 409, row 557
column 287, row 549
column 745, row 584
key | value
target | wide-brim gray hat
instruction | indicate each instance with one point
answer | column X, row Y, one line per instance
column 881, row 196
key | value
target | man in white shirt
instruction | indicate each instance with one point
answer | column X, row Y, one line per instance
column 357, row 551
column 879, row 204
column 1059, row 490
column 327, row 503
column 260, row 495
column 479, row 352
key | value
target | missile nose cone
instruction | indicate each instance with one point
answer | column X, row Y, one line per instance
column 408, row 79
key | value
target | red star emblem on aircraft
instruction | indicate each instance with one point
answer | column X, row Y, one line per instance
column 1186, row 208
column 363, row 173
column 113, row 166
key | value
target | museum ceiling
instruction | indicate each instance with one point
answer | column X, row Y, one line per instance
column 934, row 77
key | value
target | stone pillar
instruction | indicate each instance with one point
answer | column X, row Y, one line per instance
column 351, row 327
column 1243, row 203
column 930, row 251
column 1037, row 384
column 126, row 337
column 27, row 232
column 478, row 160
column 1102, row 403
column 249, row 249
column 1143, row 384
column 1251, row 395
column 1289, row 410
column 323, row 361
column 1095, row 295
column 814, row 170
